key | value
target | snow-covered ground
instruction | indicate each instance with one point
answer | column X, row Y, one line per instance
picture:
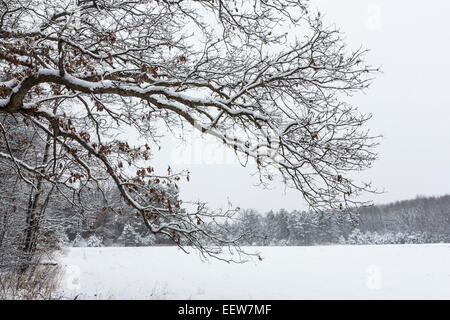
column 332, row 272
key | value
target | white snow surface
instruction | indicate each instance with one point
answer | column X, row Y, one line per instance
column 321, row 272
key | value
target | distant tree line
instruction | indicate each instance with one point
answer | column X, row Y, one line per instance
column 422, row 220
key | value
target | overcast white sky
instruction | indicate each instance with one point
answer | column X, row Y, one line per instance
column 410, row 102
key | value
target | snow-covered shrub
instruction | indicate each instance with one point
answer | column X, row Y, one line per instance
column 94, row 241
column 130, row 237
column 146, row 240
column 79, row 241
column 357, row 237
column 342, row 240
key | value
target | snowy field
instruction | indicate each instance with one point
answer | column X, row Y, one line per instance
column 334, row 272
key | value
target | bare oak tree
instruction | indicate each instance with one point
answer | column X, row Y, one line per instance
column 80, row 74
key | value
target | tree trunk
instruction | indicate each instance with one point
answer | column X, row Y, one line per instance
column 31, row 231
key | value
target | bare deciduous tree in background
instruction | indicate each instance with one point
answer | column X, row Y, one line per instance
column 81, row 74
